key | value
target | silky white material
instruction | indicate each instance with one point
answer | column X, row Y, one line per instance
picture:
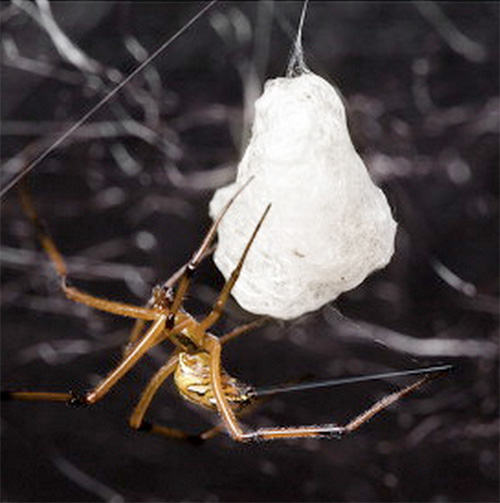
column 329, row 226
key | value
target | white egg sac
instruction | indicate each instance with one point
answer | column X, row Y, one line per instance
column 329, row 225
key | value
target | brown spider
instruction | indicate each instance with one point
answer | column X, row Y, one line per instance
column 196, row 362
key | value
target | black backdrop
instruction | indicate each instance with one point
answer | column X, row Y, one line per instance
column 126, row 200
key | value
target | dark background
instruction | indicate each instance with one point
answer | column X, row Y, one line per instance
column 126, row 199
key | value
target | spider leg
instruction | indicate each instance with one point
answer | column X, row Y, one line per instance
column 105, row 385
column 173, row 433
column 109, row 306
column 332, row 430
column 216, row 430
column 217, row 310
column 149, row 340
column 199, row 437
column 385, row 402
column 213, row 346
column 156, row 333
column 182, row 270
column 138, row 329
column 72, row 293
column 40, row 396
column 158, row 300
column 183, row 274
column 203, row 250
column 137, row 422
column 247, row 327
column 328, row 430
column 136, row 419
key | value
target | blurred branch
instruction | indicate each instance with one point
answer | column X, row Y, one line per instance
column 38, row 67
column 432, row 347
column 84, row 480
column 82, row 268
column 93, row 131
column 456, row 40
column 64, row 46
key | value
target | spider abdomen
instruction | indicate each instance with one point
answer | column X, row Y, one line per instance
column 192, row 379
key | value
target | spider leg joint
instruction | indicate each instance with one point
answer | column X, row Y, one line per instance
column 332, row 431
column 195, row 439
column 143, row 426
column 77, row 400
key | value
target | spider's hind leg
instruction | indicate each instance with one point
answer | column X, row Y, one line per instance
column 307, row 431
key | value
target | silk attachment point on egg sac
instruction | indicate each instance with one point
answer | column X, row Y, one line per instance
column 329, row 225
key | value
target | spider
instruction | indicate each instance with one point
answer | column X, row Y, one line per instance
column 195, row 363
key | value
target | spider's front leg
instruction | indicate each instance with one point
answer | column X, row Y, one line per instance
column 182, row 276
column 186, row 272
